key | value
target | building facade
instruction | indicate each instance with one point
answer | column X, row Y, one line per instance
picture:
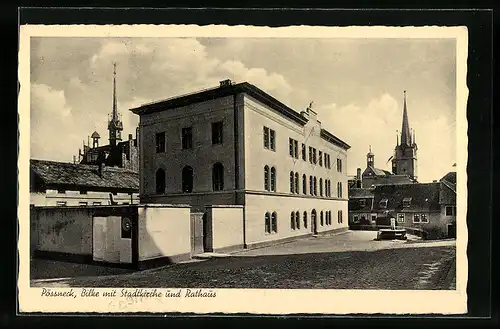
column 67, row 184
column 427, row 208
column 237, row 145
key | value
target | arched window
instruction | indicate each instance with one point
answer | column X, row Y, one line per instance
column 267, row 222
column 291, row 182
column 311, row 185
column 315, row 186
column 297, row 220
column 329, row 187
column 266, row 179
column 327, row 214
column 187, row 179
column 339, row 188
column 321, row 218
column 297, row 183
column 274, row 222
column 273, row 179
column 160, row 181
column 304, row 184
column 321, row 186
column 292, row 220
column 305, row 219
column 218, row 177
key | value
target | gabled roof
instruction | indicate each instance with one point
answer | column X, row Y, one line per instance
column 233, row 89
column 377, row 172
column 423, row 196
column 69, row 176
column 450, row 177
column 361, row 193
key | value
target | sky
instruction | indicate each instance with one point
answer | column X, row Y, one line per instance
column 356, row 85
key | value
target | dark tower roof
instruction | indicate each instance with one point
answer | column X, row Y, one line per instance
column 95, row 134
column 405, row 129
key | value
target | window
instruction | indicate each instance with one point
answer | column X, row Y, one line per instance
column 374, row 218
column 187, row 179
column 320, row 158
column 321, row 187
column 274, row 222
column 362, row 203
column 217, row 129
column 304, row 184
column 82, row 203
column 339, row 189
column 290, row 147
column 272, row 139
column 126, row 203
column 339, row 165
column 327, row 188
column 292, row 184
column 326, row 218
column 423, row 218
column 315, row 159
column 187, row 138
column 268, row 223
column 160, row 142
column 401, row 218
column 267, row 185
column 96, row 203
column 297, row 220
column 311, row 185
column 273, row 179
column 297, row 183
column 83, row 192
column 266, row 137
column 321, row 218
column 304, row 152
column 310, row 154
column 61, row 203
column 416, row 218
column 160, row 181
column 61, row 191
column 339, row 217
column 292, row 220
column 296, row 149
column 269, row 139
column 326, row 160
column 305, row 219
column 383, row 203
column 315, row 186
column 355, row 219
column 406, row 202
column 451, row 210
column 218, row 177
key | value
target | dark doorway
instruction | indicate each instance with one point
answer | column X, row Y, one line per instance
column 197, row 234
column 207, row 236
column 187, row 179
column 452, row 231
column 314, row 222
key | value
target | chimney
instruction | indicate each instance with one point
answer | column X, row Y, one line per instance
column 225, row 83
column 129, row 137
column 101, row 168
column 359, row 178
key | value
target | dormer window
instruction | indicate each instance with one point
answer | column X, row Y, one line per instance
column 406, row 202
column 383, row 203
column 362, row 202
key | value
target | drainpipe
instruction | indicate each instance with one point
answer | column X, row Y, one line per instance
column 237, row 163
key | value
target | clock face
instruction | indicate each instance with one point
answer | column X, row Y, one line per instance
column 126, row 224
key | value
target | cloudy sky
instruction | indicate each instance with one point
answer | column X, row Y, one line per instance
column 356, row 85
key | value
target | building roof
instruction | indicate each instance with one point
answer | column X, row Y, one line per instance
column 233, row 89
column 54, row 174
column 423, row 196
column 361, row 193
column 95, row 134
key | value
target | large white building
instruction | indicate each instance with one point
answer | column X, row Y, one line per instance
column 237, row 145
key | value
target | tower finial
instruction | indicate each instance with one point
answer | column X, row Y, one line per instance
column 370, row 148
column 115, row 110
column 405, row 129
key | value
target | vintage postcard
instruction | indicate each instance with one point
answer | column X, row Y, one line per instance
column 241, row 169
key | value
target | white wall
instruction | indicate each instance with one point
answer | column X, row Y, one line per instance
column 227, row 226
column 163, row 232
column 74, row 198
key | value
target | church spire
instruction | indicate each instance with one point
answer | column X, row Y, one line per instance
column 115, row 110
column 405, row 129
column 115, row 125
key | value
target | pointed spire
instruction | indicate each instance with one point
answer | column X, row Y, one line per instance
column 115, row 110
column 405, row 129
column 414, row 140
column 397, row 137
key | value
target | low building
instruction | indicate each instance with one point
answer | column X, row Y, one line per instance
column 236, row 145
column 422, row 208
column 67, row 184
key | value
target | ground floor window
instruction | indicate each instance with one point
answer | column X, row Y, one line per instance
column 268, row 223
column 339, row 215
column 305, row 219
column 355, row 219
column 451, row 210
column 321, row 218
column 423, row 218
column 401, row 218
column 416, row 218
column 374, row 218
column 292, row 220
column 274, row 222
column 297, row 220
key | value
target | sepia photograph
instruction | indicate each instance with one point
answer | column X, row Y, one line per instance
column 169, row 171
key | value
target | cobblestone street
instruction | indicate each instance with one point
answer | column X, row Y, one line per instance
column 346, row 261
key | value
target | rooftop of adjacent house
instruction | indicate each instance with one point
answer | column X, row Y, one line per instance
column 420, row 195
column 70, row 175
column 228, row 89
column 361, row 193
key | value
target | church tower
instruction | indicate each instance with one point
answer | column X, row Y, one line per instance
column 404, row 161
column 115, row 125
